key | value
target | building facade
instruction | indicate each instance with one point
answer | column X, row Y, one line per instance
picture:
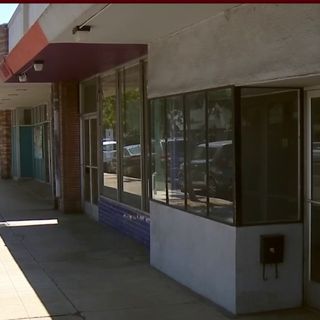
column 198, row 137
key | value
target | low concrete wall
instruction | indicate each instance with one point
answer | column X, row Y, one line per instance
column 253, row 293
column 197, row 252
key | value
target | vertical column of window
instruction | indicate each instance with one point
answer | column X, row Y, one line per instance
column 87, row 196
column 220, row 181
column 196, row 154
column 145, row 137
column 109, row 135
column 175, row 151
column 120, row 108
column 158, row 150
column 269, row 155
column 131, row 134
column 315, row 190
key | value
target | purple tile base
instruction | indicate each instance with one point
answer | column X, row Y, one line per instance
column 126, row 220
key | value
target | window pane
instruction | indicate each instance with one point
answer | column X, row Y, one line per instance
column 220, row 154
column 89, row 96
column 269, row 155
column 158, row 150
column 315, row 136
column 94, row 157
column 196, row 155
column 109, row 135
column 175, row 150
column 94, row 182
column 87, row 195
column 131, row 151
column 315, row 243
column 86, row 143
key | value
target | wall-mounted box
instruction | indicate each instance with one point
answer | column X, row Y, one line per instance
column 271, row 249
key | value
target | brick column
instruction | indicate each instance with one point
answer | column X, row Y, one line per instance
column 3, row 40
column 5, row 144
column 68, row 171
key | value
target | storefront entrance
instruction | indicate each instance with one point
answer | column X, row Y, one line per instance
column 90, row 165
column 312, row 220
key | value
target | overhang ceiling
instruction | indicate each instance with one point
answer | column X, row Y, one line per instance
column 14, row 95
column 131, row 23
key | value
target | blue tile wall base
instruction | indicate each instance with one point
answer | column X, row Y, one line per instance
column 126, row 220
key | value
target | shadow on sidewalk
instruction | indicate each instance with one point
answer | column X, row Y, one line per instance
column 70, row 267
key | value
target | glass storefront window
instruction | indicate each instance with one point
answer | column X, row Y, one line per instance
column 315, row 190
column 109, row 135
column 196, row 154
column 220, row 154
column 131, row 137
column 89, row 96
column 193, row 167
column 158, row 150
column 315, row 155
column 175, row 151
column 269, row 155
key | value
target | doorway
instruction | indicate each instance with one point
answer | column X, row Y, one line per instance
column 90, row 165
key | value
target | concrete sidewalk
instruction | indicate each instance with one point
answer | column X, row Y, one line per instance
column 72, row 268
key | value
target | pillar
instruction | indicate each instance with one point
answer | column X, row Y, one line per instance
column 5, row 144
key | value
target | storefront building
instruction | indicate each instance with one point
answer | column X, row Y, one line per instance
column 198, row 138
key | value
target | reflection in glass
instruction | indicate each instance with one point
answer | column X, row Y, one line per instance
column 315, row 243
column 94, row 179
column 93, row 143
column 87, row 193
column 196, row 155
column 86, row 143
column 175, row 150
column 89, row 102
column 269, row 155
column 315, row 178
column 315, row 136
column 109, row 136
column 220, row 154
column 158, row 151
column 131, row 150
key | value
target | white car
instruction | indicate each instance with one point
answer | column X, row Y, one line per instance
column 109, row 153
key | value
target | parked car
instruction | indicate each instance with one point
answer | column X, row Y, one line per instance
column 175, row 157
column 131, row 160
column 109, row 149
column 220, row 169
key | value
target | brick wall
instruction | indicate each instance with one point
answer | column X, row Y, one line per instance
column 127, row 220
column 5, row 144
column 3, row 40
column 69, row 147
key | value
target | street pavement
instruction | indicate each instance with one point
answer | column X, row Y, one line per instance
column 68, row 267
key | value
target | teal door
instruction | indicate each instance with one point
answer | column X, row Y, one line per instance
column 26, row 153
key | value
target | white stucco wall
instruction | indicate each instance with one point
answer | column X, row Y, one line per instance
column 243, row 45
column 35, row 11
column 197, row 252
column 253, row 293
column 15, row 27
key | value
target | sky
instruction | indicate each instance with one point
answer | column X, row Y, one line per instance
column 6, row 11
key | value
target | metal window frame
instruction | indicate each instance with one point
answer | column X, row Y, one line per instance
column 237, row 151
column 119, row 72
column 183, row 94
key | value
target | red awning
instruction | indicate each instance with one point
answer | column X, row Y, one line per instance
column 63, row 61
